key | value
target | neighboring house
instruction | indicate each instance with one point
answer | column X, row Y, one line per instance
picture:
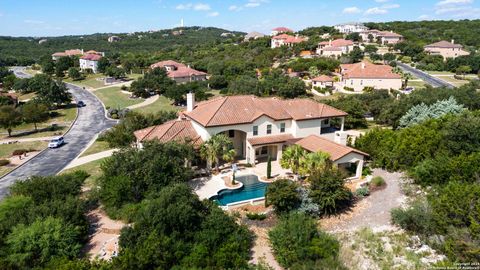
column 90, row 61
column 113, row 39
column 348, row 28
column 258, row 127
column 253, row 35
column 341, row 155
column 179, row 72
column 322, row 81
column 446, row 49
column 384, row 37
column 286, row 40
column 335, row 48
column 365, row 74
column 280, row 30
column 73, row 52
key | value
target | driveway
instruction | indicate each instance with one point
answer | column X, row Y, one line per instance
column 427, row 78
column 90, row 121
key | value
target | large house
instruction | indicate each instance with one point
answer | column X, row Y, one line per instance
column 280, row 30
column 446, row 49
column 179, row 72
column 66, row 53
column 348, row 28
column 335, row 48
column 253, row 35
column 90, row 61
column 323, row 81
column 258, row 127
column 383, row 37
column 365, row 74
column 286, row 40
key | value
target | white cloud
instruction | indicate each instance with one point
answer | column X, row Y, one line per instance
column 183, row 6
column 255, row 3
column 381, row 1
column 351, row 10
column 454, row 2
column 424, row 17
column 198, row 7
column 234, row 8
column 250, row 5
column 376, row 11
column 201, row 7
column 390, row 6
column 33, row 21
column 213, row 14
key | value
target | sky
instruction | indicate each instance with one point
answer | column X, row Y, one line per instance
column 75, row 17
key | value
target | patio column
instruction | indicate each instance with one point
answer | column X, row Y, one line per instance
column 343, row 123
column 358, row 173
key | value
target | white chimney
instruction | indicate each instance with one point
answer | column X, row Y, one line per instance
column 190, row 101
column 363, row 65
column 453, row 41
column 330, row 43
column 341, row 137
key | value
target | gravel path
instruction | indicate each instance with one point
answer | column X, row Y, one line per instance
column 372, row 212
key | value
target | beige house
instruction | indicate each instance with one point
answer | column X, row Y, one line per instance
column 446, row 49
column 334, row 48
column 384, row 37
column 179, row 72
column 258, row 127
column 286, row 40
column 322, row 81
column 354, row 27
column 365, row 74
column 73, row 52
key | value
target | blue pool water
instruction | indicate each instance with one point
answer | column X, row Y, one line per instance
column 252, row 189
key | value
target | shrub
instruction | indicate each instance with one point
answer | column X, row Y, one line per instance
column 417, row 218
column 282, row 194
column 292, row 245
column 256, row 216
column 377, row 181
column 366, row 171
column 18, row 152
column 307, row 205
column 362, row 192
column 4, row 162
column 346, row 88
column 329, row 192
column 368, row 89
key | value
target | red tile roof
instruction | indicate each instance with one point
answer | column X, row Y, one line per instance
column 314, row 143
column 273, row 139
column 68, row 53
column 282, row 29
column 91, row 57
column 368, row 70
column 180, row 70
column 337, row 43
column 389, row 34
column 232, row 110
column 444, row 44
column 282, row 36
column 162, row 64
column 323, row 78
column 175, row 130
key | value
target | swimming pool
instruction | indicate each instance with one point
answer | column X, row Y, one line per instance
column 252, row 189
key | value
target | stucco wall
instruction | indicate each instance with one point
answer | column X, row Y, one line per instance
column 359, row 84
column 447, row 52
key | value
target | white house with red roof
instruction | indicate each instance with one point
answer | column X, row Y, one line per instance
column 89, row 61
column 383, row 37
column 365, row 74
column 179, row 72
column 280, row 30
column 347, row 28
column 446, row 49
column 322, row 81
column 286, row 40
column 335, row 48
column 258, row 127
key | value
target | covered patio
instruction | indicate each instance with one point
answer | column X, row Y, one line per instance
column 260, row 148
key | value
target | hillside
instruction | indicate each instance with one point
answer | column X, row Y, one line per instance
column 465, row 32
column 27, row 49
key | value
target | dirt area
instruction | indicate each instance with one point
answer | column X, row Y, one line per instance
column 373, row 211
column 103, row 242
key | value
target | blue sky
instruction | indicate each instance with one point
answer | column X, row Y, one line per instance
column 61, row 17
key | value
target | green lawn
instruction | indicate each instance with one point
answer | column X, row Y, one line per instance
column 162, row 104
column 63, row 119
column 90, row 81
column 416, row 84
column 7, row 149
column 26, row 97
column 96, row 147
column 92, row 168
column 114, row 98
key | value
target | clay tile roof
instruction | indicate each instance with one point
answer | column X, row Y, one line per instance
column 369, row 70
column 282, row 36
column 91, row 57
column 184, row 72
column 292, row 39
column 175, row 130
column 338, row 43
column 282, row 29
column 443, row 44
column 59, row 54
column 323, row 78
column 68, row 53
column 314, row 143
column 233, row 110
column 270, row 139
column 389, row 34
column 305, row 53
column 162, row 64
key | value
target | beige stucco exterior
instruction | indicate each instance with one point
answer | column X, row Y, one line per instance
column 358, row 84
column 446, row 52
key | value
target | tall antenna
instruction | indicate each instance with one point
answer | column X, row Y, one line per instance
column 181, row 22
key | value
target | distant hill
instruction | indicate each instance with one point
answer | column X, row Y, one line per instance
column 26, row 50
column 466, row 32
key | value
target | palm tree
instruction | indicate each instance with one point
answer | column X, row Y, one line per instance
column 291, row 158
column 217, row 147
column 314, row 162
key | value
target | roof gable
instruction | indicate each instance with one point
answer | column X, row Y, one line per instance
column 314, row 143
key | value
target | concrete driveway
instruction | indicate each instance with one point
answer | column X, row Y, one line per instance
column 91, row 120
column 427, row 78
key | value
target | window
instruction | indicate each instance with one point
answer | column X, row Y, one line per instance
column 282, row 127
column 264, row 150
column 269, row 129
column 326, row 121
column 361, row 82
column 255, row 130
column 231, row 133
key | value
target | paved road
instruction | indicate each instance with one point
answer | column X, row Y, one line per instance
column 91, row 120
column 427, row 78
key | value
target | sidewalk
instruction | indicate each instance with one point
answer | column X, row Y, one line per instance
column 86, row 159
column 13, row 140
column 147, row 102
